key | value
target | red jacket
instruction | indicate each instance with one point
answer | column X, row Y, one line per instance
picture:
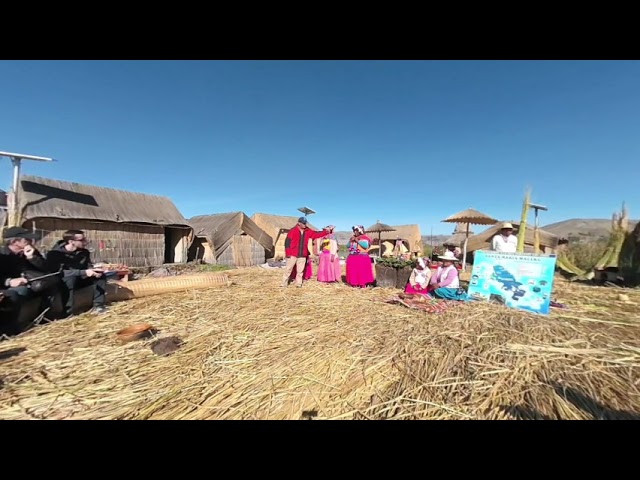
column 297, row 243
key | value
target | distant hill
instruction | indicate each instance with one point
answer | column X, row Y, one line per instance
column 588, row 228
column 584, row 227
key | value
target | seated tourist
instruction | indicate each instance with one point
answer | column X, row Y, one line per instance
column 70, row 255
column 21, row 269
column 419, row 279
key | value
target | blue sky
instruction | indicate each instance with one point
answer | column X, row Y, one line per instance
column 357, row 141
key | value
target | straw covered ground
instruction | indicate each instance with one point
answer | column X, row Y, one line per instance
column 253, row 350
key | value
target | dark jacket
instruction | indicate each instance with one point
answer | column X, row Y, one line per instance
column 72, row 263
column 14, row 265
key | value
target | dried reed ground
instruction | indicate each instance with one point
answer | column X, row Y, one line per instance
column 256, row 351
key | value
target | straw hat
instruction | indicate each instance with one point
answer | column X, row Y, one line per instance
column 506, row 225
column 448, row 255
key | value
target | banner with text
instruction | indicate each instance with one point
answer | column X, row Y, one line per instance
column 518, row 280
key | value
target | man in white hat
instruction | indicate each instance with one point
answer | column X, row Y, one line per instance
column 505, row 241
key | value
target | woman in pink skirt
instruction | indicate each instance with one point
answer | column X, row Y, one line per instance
column 359, row 268
column 329, row 263
column 419, row 279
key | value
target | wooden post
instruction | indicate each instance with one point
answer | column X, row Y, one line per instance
column 14, row 204
column 536, row 235
column 523, row 221
column 464, row 254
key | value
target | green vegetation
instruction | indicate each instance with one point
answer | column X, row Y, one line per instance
column 396, row 262
column 212, row 268
column 585, row 254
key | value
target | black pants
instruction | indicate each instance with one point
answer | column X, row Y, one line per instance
column 21, row 306
column 73, row 283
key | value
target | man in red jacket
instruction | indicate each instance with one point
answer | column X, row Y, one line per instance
column 296, row 250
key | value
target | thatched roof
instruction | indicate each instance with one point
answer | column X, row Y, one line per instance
column 459, row 234
column 411, row 233
column 470, row 216
column 274, row 225
column 220, row 228
column 483, row 239
column 47, row 198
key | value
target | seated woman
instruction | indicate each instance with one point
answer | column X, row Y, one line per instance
column 445, row 283
column 359, row 267
column 329, row 263
column 419, row 279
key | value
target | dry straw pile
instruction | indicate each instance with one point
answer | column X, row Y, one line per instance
column 255, row 351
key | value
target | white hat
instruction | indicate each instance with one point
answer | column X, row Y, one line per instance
column 448, row 255
column 506, row 225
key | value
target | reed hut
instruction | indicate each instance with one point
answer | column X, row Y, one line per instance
column 137, row 229
column 277, row 227
column 458, row 236
column 481, row 241
column 410, row 234
column 229, row 239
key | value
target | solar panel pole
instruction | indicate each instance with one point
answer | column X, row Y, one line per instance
column 536, row 231
column 16, row 160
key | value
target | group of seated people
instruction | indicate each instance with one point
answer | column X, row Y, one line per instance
column 47, row 283
column 443, row 283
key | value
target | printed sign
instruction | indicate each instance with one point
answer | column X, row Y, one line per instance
column 518, row 280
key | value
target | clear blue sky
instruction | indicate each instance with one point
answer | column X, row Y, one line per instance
column 358, row 141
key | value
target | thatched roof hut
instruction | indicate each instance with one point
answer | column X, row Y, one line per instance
column 548, row 241
column 122, row 227
column 230, row 239
column 277, row 226
column 458, row 236
column 410, row 233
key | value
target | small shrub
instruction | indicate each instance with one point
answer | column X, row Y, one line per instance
column 212, row 268
column 585, row 254
column 396, row 262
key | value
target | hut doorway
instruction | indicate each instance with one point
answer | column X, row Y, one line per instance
column 197, row 249
column 175, row 249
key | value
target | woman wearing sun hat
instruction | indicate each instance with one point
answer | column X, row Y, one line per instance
column 445, row 283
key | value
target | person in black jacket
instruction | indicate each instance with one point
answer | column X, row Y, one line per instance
column 70, row 255
column 20, row 262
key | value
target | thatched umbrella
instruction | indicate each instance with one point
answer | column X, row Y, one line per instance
column 470, row 216
column 379, row 228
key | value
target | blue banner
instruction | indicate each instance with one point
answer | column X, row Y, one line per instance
column 517, row 280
